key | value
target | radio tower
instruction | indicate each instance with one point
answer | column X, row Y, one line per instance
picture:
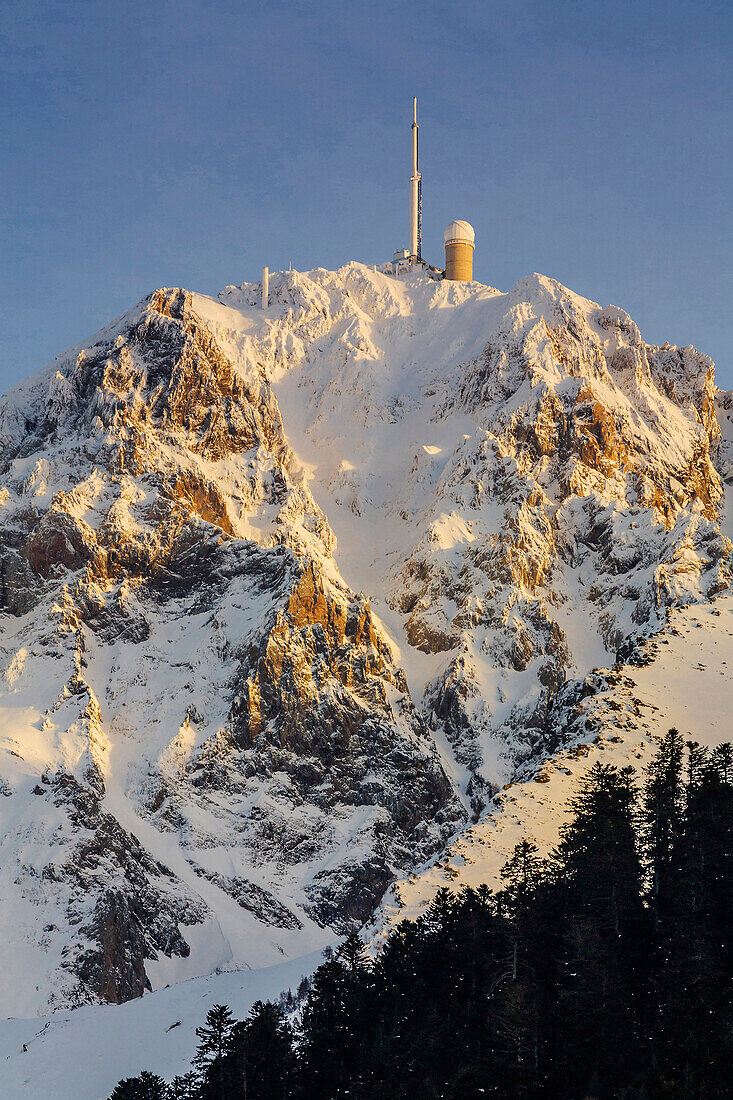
column 415, row 194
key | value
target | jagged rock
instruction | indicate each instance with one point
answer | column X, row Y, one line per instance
column 253, row 898
column 171, row 497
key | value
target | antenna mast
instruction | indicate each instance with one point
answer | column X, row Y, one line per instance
column 415, row 194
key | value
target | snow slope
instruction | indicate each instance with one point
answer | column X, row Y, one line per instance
column 686, row 685
column 81, row 1055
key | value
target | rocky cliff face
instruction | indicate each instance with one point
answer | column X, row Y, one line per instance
column 287, row 595
column 677, row 678
column 596, row 451
column 541, row 480
column 190, row 663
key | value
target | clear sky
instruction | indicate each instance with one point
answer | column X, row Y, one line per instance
column 189, row 142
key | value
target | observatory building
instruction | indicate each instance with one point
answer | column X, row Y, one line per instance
column 460, row 239
column 459, row 245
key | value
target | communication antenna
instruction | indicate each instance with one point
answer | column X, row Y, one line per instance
column 415, row 194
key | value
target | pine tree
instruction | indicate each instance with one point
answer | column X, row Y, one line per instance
column 184, row 1087
column 722, row 762
column 263, row 1052
column 599, row 879
column 663, row 807
column 696, row 1013
column 597, row 855
column 437, row 993
column 521, row 873
column 528, row 901
column 148, row 1086
column 338, row 1024
column 215, row 1038
column 697, row 761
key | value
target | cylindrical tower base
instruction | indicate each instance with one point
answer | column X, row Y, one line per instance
column 459, row 261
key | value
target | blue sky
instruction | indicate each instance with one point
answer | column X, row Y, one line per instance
column 188, row 143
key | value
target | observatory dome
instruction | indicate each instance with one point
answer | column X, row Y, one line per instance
column 459, row 231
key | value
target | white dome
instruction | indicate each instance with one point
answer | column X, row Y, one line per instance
column 460, row 231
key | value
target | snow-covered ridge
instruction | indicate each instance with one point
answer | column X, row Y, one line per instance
column 518, row 481
column 289, row 594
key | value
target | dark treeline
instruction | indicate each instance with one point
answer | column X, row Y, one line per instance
column 603, row 971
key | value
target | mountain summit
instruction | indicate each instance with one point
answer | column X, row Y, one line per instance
column 289, row 595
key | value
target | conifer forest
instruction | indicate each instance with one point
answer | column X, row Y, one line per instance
column 603, row 971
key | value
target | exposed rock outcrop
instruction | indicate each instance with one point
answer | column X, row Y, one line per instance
column 157, row 525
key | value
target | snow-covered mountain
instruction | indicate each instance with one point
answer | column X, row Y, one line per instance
column 289, row 595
